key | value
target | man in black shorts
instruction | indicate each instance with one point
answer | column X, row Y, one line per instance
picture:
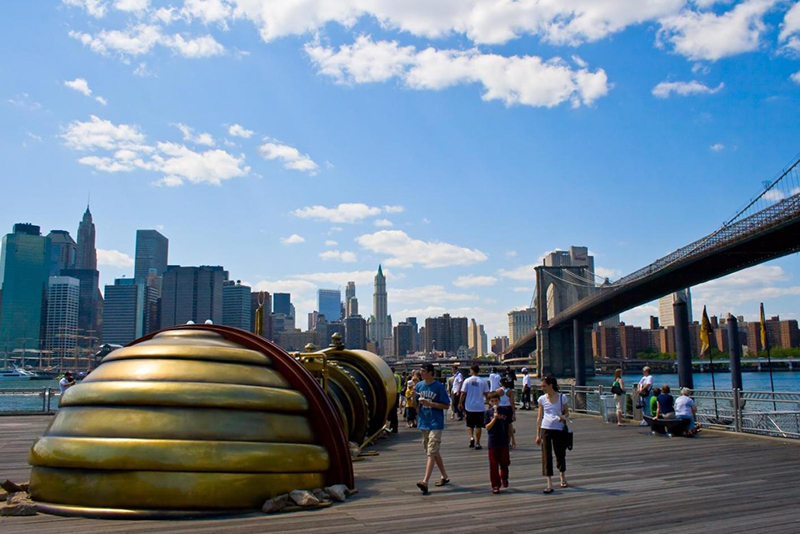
column 473, row 400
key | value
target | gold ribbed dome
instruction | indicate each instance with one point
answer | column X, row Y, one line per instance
column 187, row 421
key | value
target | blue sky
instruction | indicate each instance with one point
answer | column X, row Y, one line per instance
column 456, row 142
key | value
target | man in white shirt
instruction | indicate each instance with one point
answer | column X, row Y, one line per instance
column 526, row 389
column 494, row 380
column 645, row 390
column 66, row 382
column 455, row 390
column 473, row 399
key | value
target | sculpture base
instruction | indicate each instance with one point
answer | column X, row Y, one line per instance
column 67, row 510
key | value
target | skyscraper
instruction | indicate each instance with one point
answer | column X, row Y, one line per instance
column 87, row 254
column 236, row 305
column 130, row 311
column 520, row 322
column 477, row 338
column 355, row 332
column 63, row 251
column 382, row 323
column 403, row 339
column 352, row 306
column 152, row 251
column 24, row 272
column 63, row 295
column 192, row 294
column 666, row 315
column 349, row 294
column 282, row 303
column 329, row 304
column 446, row 334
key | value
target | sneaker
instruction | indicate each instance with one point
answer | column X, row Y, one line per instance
column 495, row 490
column 472, row 444
column 478, row 447
column 505, row 482
column 643, row 423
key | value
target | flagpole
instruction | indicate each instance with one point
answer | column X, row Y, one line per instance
column 765, row 342
column 705, row 325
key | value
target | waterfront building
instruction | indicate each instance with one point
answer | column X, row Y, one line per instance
column 282, row 303
column 24, row 273
column 403, row 339
column 192, row 294
column 63, row 297
column 446, row 334
column 500, row 344
column 329, row 303
column 130, row 311
column 236, row 304
column 520, row 322
column 780, row 334
column 63, row 251
column 666, row 314
column 152, row 252
column 297, row 341
column 355, row 332
column 382, row 322
column 90, row 313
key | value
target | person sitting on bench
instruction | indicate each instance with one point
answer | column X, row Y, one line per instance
column 685, row 408
column 654, row 401
column 666, row 404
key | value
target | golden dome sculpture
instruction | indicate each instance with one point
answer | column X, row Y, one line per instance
column 191, row 420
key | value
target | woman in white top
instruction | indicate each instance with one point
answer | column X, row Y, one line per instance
column 685, row 408
column 508, row 408
column 553, row 413
column 619, row 398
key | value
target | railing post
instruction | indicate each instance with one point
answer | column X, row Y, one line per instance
column 737, row 411
column 600, row 400
column 44, row 399
column 572, row 397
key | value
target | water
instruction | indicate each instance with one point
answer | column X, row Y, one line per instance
column 18, row 402
column 752, row 381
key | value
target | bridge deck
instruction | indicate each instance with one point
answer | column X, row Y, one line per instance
column 623, row 480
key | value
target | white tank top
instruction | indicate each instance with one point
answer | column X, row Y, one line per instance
column 504, row 398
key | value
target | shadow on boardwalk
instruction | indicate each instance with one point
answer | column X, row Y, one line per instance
column 622, row 480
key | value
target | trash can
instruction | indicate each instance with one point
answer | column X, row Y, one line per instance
column 608, row 409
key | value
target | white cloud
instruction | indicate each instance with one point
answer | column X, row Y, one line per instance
column 430, row 294
column 82, row 86
column 795, row 77
column 331, row 243
column 175, row 161
column 665, row 89
column 705, row 35
column 524, row 272
column 137, row 7
column 140, row 39
column 115, row 258
column 240, row 131
column 343, row 213
column 745, row 288
column 404, row 251
column 95, row 8
column 527, row 80
column 344, row 257
column 342, row 277
column 640, row 316
column 33, row 136
column 790, row 33
column 773, row 195
column 523, row 289
column 293, row 239
column 23, row 100
column 717, row 147
column 142, row 71
column 394, row 209
column 383, row 223
column 335, row 229
column 471, row 281
column 204, row 138
column 511, row 253
column 290, row 156
column 605, row 272
column 208, row 11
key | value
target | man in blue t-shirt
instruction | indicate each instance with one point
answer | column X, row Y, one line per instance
column 432, row 402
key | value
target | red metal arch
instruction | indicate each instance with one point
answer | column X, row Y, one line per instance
column 325, row 420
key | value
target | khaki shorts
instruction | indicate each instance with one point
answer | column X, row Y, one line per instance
column 431, row 441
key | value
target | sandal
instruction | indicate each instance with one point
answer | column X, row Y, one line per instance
column 423, row 487
column 547, row 491
column 442, row 482
column 564, row 485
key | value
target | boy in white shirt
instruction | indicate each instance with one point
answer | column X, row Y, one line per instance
column 473, row 398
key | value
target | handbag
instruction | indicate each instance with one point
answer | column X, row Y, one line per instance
column 615, row 389
column 568, row 437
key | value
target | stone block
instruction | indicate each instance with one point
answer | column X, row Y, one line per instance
column 303, row 498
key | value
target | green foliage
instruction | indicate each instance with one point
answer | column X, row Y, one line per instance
column 651, row 354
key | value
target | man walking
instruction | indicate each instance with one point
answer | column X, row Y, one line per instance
column 473, row 399
column 494, row 380
column 645, row 390
column 455, row 391
column 526, row 389
column 433, row 401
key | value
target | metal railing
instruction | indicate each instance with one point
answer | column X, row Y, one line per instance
column 753, row 412
column 28, row 401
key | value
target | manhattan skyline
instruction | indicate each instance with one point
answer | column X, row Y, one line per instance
column 286, row 158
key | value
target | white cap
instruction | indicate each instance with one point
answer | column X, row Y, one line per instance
column 524, row 369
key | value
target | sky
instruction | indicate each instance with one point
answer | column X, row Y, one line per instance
column 302, row 143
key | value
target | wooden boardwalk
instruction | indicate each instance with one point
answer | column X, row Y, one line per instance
column 623, row 480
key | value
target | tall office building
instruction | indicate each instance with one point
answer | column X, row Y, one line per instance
column 403, row 339
column 446, row 334
column 352, row 306
column 413, row 322
column 380, row 309
column 152, row 252
column 666, row 314
column 499, row 344
column 329, row 304
column 282, row 303
column 63, row 251
column 349, row 294
column 192, row 294
column 63, row 296
column 520, row 322
column 355, row 332
column 236, row 305
column 130, row 311
column 24, row 273
column 86, row 253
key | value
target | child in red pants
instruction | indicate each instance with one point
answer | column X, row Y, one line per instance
column 497, row 428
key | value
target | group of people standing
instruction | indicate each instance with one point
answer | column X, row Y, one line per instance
column 427, row 400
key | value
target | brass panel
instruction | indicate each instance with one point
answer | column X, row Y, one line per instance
column 187, row 371
column 189, row 349
column 67, row 510
column 164, row 490
column 180, row 423
column 384, row 375
column 177, row 455
column 138, row 393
